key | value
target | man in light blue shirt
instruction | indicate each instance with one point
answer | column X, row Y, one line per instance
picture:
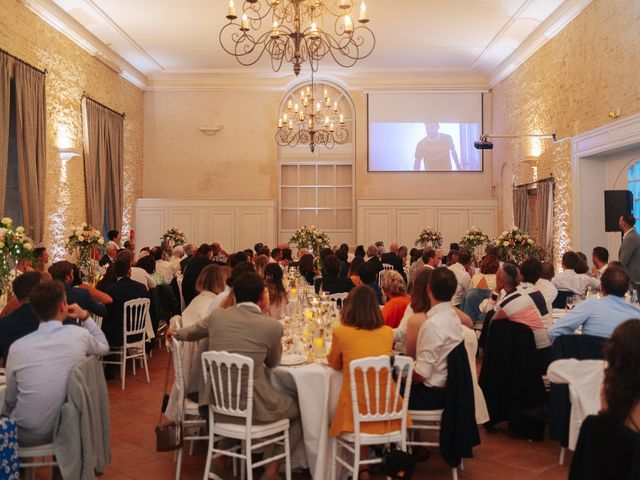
column 39, row 364
column 600, row 317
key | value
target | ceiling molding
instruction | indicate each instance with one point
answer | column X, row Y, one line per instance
column 544, row 32
column 53, row 15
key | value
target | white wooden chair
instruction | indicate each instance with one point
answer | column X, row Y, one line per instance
column 387, row 266
column 98, row 320
column 135, row 313
column 231, row 378
column 427, row 420
column 339, row 298
column 35, row 457
column 375, row 396
column 188, row 408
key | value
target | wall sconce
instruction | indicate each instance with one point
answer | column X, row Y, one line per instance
column 67, row 154
column 211, row 130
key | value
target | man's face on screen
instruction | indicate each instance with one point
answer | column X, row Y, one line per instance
column 432, row 129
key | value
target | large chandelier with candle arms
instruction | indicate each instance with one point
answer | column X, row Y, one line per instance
column 312, row 119
column 297, row 31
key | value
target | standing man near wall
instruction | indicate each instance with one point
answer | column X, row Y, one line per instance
column 629, row 253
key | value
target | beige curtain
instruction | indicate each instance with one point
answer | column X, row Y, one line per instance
column 521, row 208
column 103, row 159
column 5, row 102
column 31, row 132
column 544, row 213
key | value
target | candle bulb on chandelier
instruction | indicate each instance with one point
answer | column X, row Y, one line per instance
column 348, row 24
column 305, row 102
column 314, row 30
column 363, row 13
column 331, row 128
column 326, row 94
column 280, row 123
column 245, row 22
column 335, row 106
column 274, row 31
column 344, row 4
column 296, row 108
column 326, row 121
column 341, row 119
column 301, row 116
column 318, row 107
column 290, row 105
column 284, row 117
column 232, row 10
column 291, row 125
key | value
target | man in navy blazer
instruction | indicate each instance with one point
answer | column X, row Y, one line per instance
column 22, row 321
column 63, row 272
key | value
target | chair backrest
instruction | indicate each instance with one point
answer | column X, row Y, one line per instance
column 98, row 320
column 231, row 378
column 379, row 399
column 387, row 266
column 178, row 371
column 380, row 276
column 339, row 298
column 136, row 313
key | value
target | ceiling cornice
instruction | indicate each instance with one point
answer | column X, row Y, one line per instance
column 53, row 15
column 544, row 32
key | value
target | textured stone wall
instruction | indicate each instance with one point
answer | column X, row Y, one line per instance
column 569, row 86
column 72, row 72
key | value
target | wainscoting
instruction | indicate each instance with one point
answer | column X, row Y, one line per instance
column 236, row 224
column 402, row 220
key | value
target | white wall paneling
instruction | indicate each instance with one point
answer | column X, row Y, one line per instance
column 402, row 220
column 235, row 224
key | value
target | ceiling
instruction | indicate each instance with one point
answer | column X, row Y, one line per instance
column 170, row 37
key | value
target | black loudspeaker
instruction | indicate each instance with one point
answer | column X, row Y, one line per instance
column 616, row 204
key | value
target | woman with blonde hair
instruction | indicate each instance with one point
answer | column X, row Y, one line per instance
column 261, row 262
column 395, row 290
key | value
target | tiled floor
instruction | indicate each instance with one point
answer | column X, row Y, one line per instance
column 134, row 414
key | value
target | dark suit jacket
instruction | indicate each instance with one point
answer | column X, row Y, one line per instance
column 393, row 259
column 336, row 285
column 196, row 265
column 629, row 255
column 184, row 262
column 105, row 260
column 83, row 298
column 12, row 327
column 121, row 291
column 376, row 261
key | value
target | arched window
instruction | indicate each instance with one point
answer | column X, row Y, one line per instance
column 633, row 177
column 318, row 188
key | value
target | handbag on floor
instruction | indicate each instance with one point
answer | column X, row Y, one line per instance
column 168, row 435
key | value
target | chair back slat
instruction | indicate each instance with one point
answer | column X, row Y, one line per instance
column 381, row 397
column 178, row 371
column 387, row 266
column 136, row 313
column 231, row 379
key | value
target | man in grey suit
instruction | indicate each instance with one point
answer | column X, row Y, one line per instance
column 629, row 254
column 243, row 329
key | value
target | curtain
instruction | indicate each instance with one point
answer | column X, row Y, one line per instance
column 103, row 132
column 521, row 208
column 31, row 131
column 5, row 103
column 544, row 213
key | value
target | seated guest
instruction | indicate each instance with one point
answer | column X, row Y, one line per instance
column 41, row 259
column 306, row 268
column 63, row 272
column 210, row 284
column 368, row 274
column 569, row 280
column 114, row 238
column 343, row 255
column 600, row 316
column 373, row 256
column 600, row 259
column 438, row 336
column 189, row 250
column 521, row 306
column 164, row 269
column 177, row 254
column 359, row 251
column 278, row 299
column 276, row 256
column 427, row 259
column 489, row 266
column 123, row 290
column 395, row 290
column 191, row 273
column 261, row 262
column 96, row 294
column 609, row 443
column 403, row 255
column 362, row 333
column 219, row 255
column 392, row 258
column 532, row 270
column 110, row 256
column 22, row 321
column 459, row 269
column 226, row 298
column 39, row 364
column 332, row 281
column 244, row 330
column 287, row 257
column 144, row 271
column 354, row 266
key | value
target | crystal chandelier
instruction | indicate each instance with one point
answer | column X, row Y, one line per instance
column 312, row 121
column 297, row 31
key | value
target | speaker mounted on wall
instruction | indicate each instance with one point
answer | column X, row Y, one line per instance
column 616, row 204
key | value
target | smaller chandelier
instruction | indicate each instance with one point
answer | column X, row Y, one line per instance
column 297, row 31
column 314, row 120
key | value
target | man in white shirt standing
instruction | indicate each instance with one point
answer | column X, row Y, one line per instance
column 438, row 336
column 39, row 364
column 459, row 269
column 600, row 259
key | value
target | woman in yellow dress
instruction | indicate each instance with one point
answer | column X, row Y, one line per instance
column 362, row 334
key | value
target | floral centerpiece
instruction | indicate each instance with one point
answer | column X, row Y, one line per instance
column 429, row 237
column 311, row 238
column 474, row 239
column 15, row 246
column 81, row 242
column 173, row 237
column 515, row 244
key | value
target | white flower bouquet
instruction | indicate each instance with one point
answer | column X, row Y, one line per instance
column 474, row 239
column 311, row 238
column 515, row 244
column 15, row 246
column 81, row 242
column 429, row 237
column 173, row 237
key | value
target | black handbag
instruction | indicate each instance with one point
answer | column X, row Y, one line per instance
column 168, row 435
column 397, row 464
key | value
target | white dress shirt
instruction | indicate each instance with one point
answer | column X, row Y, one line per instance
column 140, row 275
column 38, row 370
column 438, row 335
column 464, row 282
column 571, row 281
column 600, row 271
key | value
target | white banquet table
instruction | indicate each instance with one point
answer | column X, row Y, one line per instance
column 317, row 387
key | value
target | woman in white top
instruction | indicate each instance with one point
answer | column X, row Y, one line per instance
column 487, row 277
column 569, row 280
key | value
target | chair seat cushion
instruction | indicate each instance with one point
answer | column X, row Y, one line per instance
column 426, row 415
column 37, row 451
column 232, row 430
column 373, row 438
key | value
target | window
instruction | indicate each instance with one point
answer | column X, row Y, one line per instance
column 13, row 192
column 634, row 186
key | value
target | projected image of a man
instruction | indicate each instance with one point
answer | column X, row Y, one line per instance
column 436, row 150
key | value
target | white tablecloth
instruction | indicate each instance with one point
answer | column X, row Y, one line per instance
column 318, row 388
